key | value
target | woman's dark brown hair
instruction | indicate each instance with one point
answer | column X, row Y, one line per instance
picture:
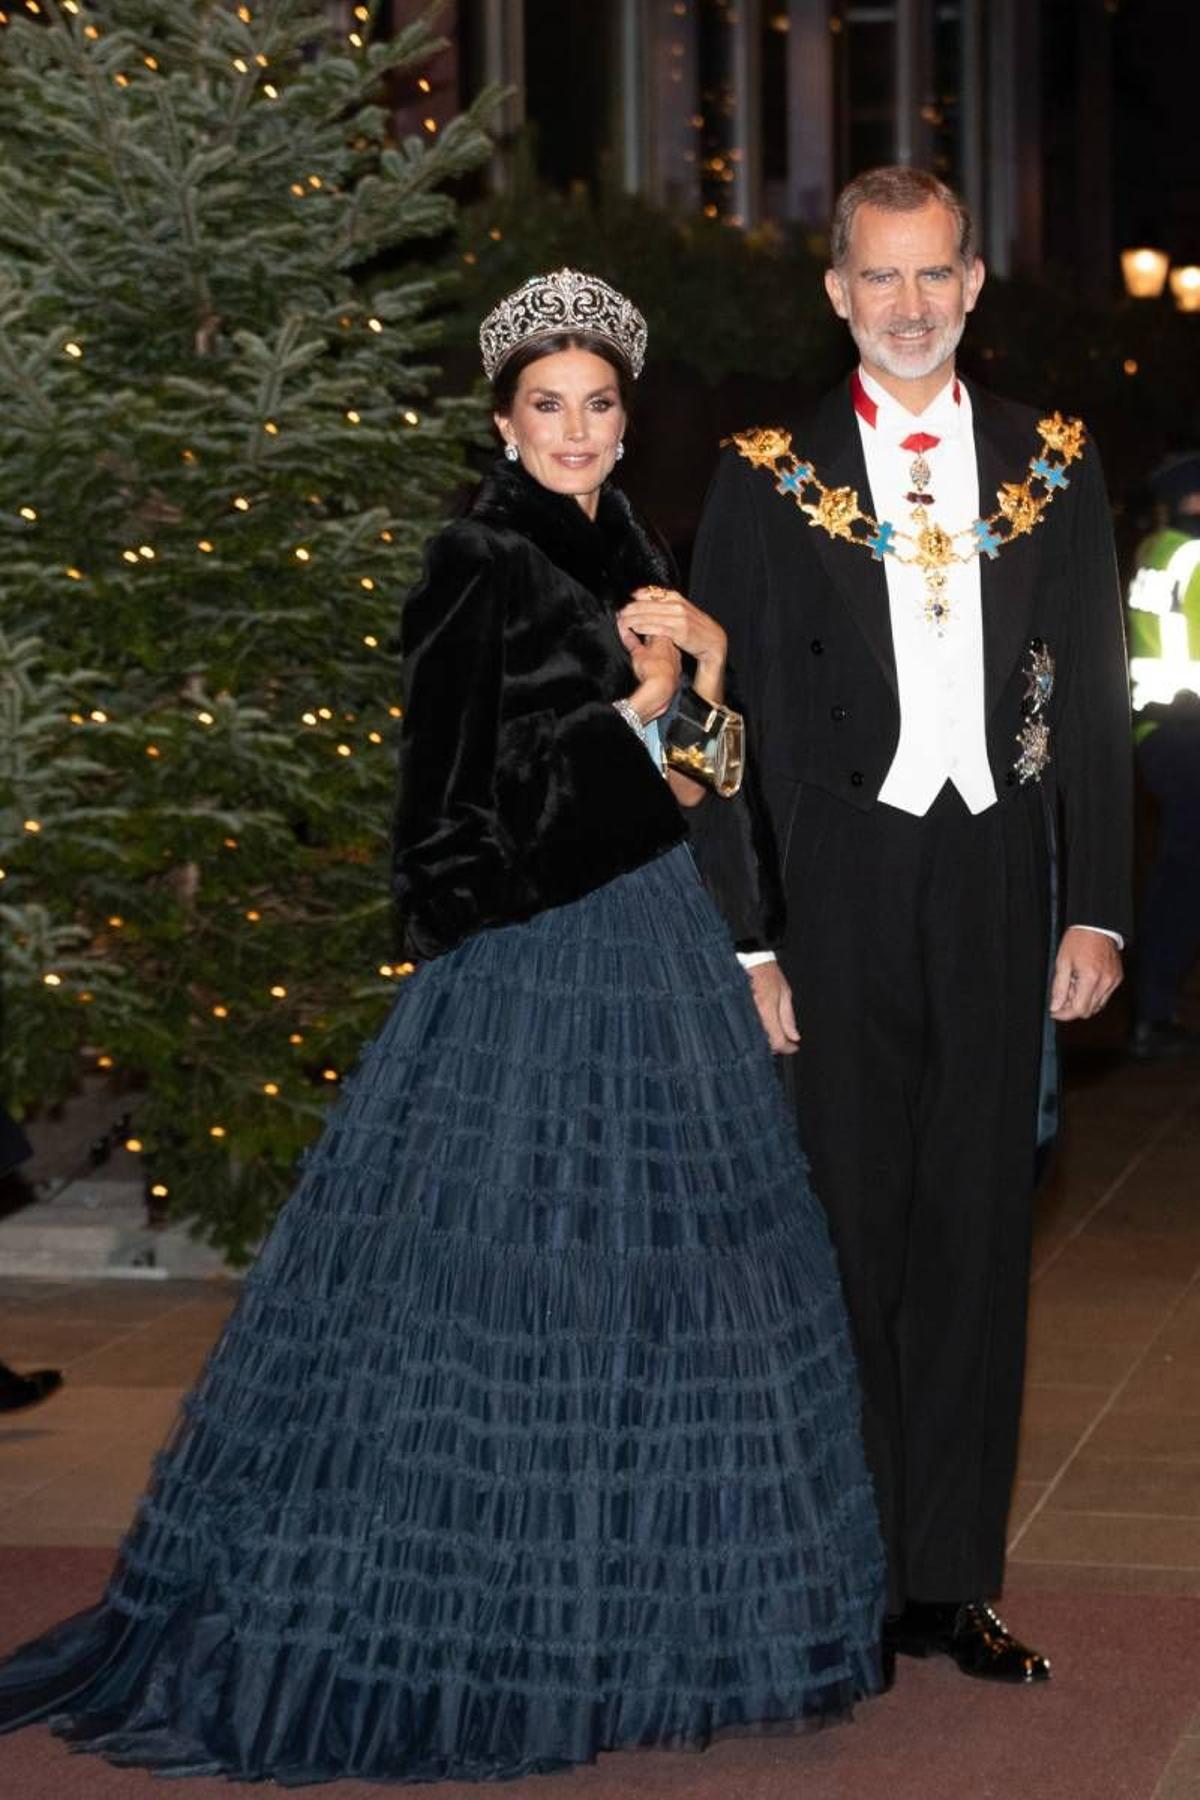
column 504, row 382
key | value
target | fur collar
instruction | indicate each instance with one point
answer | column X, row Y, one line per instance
column 610, row 555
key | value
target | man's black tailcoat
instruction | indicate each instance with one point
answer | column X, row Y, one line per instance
column 918, row 947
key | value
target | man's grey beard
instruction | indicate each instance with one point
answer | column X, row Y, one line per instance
column 877, row 348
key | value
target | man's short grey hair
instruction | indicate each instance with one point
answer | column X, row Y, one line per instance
column 897, row 189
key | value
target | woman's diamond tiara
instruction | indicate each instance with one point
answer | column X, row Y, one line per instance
column 562, row 302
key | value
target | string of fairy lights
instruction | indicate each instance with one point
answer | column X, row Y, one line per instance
column 308, row 554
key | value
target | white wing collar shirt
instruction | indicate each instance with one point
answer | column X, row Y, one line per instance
column 939, row 671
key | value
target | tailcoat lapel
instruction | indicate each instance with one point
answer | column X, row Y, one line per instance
column 1003, row 448
column 830, row 440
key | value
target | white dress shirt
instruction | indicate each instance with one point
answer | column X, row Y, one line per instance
column 939, row 672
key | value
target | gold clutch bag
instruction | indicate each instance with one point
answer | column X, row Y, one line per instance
column 707, row 742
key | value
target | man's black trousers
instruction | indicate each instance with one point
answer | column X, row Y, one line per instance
column 917, row 950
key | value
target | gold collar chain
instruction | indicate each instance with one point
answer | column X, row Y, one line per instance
column 928, row 545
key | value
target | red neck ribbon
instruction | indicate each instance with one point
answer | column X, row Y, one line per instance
column 866, row 408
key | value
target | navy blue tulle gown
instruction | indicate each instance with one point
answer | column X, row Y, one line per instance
column 535, row 1430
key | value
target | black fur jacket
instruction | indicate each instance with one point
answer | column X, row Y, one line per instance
column 520, row 786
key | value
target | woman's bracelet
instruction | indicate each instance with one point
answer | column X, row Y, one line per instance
column 631, row 716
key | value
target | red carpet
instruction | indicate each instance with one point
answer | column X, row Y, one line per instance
column 1126, row 1687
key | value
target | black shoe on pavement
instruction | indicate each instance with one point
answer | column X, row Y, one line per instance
column 17, row 1391
column 974, row 1636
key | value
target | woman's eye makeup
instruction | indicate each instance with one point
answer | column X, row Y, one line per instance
column 547, row 403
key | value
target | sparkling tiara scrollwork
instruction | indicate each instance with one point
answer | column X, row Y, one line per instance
column 563, row 302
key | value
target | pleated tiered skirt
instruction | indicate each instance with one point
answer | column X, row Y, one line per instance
column 535, row 1431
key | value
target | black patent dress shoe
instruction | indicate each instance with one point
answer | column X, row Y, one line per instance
column 974, row 1636
column 19, row 1391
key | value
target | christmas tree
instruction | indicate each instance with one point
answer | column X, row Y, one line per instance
column 221, row 460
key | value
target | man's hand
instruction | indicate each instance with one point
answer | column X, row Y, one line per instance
column 773, row 998
column 1087, row 972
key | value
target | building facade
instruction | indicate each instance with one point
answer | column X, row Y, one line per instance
column 758, row 110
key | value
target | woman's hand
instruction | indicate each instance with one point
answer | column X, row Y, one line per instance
column 661, row 611
column 657, row 665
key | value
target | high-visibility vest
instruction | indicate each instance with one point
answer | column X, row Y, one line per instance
column 1164, row 618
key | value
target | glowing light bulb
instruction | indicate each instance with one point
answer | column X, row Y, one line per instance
column 216, row 1131
column 374, row 324
column 73, row 349
column 295, row 1037
column 411, row 418
column 230, row 843
column 203, row 544
column 308, row 718
column 220, row 1012
column 75, row 574
column 98, row 716
column 32, row 826
column 28, row 512
column 146, row 551
column 424, row 85
column 329, row 1074
column 160, row 1190
column 253, row 916
column 151, row 62
column 271, row 92
column 129, row 556
column 152, row 750
column 271, row 1087
column 116, row 921
column 278, row 992
column 372, row 643
column 354, row 418
column 271, row 428
column 314, row 181
column 301, row 554
column 364, row 581
column 240, row 64
column 385, row 537
column 241, row 503
column 298, row 189
column 356, row 40
column 344, row 750
column 104, row 1062
column 205, row 718
column 324, row 712
column 376, row 737
column 429, row 124
column 134, row 1144
column 52, row 980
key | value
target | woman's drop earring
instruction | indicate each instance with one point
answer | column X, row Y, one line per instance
column 511, row 451
column 620, row 450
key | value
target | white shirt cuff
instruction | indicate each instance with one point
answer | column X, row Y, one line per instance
column 1116, row 937
column 751, row 959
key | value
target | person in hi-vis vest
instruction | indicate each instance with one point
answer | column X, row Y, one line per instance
column 1164, row 662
